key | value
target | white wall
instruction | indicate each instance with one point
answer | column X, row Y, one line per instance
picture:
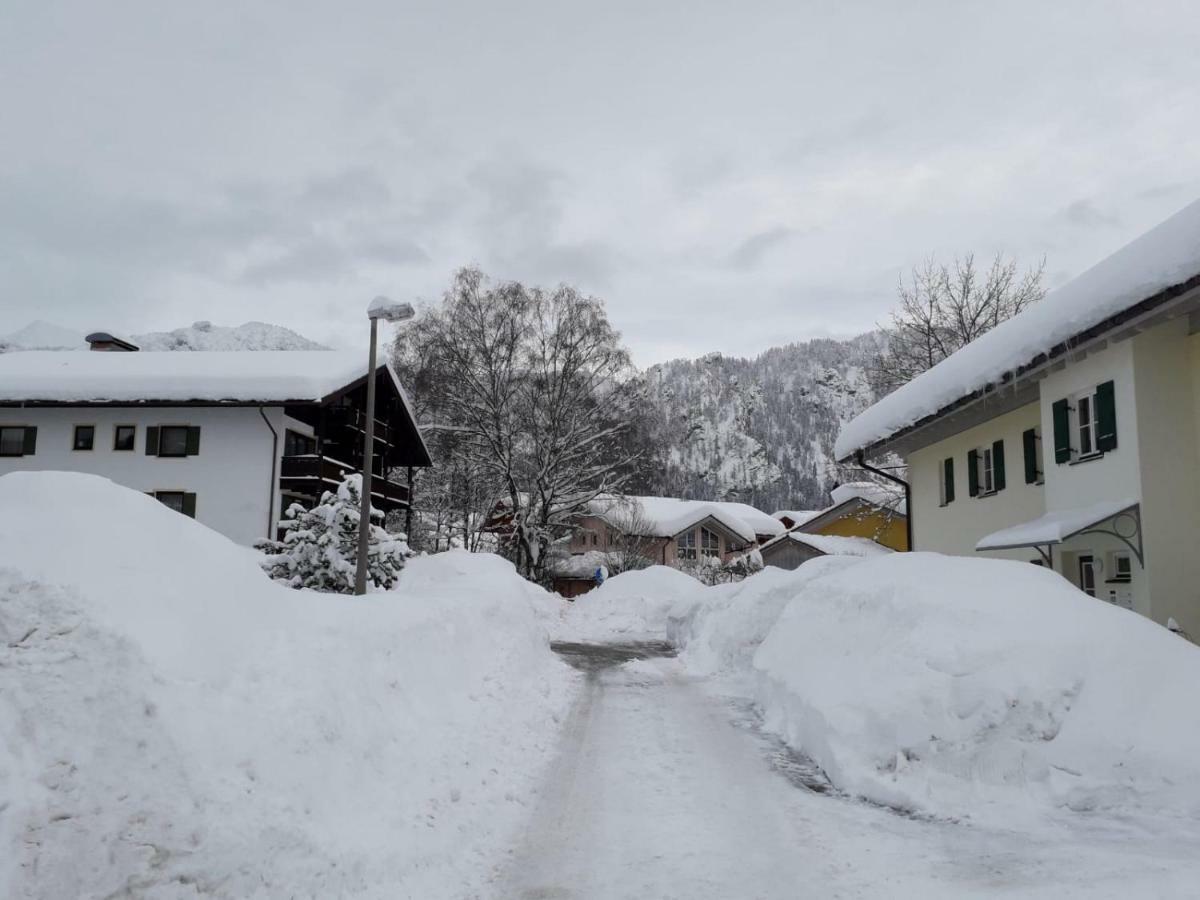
column 231, row 475
column 1165, row 361
column 957, row 527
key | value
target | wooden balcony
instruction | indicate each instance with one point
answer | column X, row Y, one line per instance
column 311, row 475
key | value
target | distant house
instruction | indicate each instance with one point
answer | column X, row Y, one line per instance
column 229, row 438
column 1069, row 435
column 789, row 550
column 863, row 509
column 630, row 531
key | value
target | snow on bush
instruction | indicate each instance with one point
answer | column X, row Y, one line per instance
column 173, row 724
column 965, row 686
column 630, row 606
column 319, row 549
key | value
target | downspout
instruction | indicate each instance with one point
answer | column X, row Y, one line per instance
column 863, row 464
column 273, row 486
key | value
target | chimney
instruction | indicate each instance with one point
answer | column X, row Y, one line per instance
column 102, row 340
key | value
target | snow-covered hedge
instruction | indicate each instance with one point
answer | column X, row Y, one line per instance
column 961, row 687
column 173, row 724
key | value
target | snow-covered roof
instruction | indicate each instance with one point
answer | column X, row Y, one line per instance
column 1163, row 257
column 870, row 491
column 832, row 544
column 668, row 516
column 270, row 376
column 1054, row 527
column 798, row 516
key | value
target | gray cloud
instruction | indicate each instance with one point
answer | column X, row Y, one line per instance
column 739, row 179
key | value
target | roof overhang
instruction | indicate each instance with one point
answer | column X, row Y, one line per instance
column 1019, row 387
column 1059, row 526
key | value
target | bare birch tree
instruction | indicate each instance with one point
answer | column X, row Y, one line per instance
column 944, row 308
column 531, row 380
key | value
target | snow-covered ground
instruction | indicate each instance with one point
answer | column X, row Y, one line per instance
column 175, row 725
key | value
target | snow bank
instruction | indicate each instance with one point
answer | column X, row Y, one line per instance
column 173, row 724
column 630, row 606
column 963, row 687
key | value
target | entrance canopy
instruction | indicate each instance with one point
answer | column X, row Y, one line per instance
column 1063, row 524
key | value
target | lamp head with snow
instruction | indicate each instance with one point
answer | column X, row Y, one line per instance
column 390, row 310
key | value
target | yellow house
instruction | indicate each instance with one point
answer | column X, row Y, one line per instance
column 863, row 509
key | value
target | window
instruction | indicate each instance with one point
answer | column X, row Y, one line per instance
column 180, row 501
column 710, row 544
column 1085, row 426
column 1122, row 568
column 686, row 544
column 985, row 470
column 124, row 437
column 946, row 487
column 297, row 444
column 172, row 440
column 595, row 539
column 1087, row 574
column 18, row 440
column 1031, row 443
column 85, row 437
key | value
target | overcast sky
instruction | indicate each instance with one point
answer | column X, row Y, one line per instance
column 726, row 175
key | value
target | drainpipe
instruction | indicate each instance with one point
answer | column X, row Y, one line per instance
column 408, row 512
column 272, row 487
column 862, row 464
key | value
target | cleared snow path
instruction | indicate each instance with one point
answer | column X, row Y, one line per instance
column 663, row 790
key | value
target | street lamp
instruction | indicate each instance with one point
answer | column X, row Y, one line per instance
column 389, row 311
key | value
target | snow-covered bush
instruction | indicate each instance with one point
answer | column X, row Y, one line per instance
column 319, row 549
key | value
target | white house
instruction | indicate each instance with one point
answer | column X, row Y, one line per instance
column 226, row 437
column 1069, row 435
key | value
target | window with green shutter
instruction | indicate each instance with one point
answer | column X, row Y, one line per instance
column 973, row 473
column 1031, row 444
column 947, row 481
column 1061, row 414
column 998, row 481
column 1106, row 417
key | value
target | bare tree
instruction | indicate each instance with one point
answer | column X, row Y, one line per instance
column 632, row 543
column 944, row 308
column 531, row 380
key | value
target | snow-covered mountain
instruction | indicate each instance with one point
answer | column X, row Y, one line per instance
column 207, row 336
column 758, row 430
column 197, row 336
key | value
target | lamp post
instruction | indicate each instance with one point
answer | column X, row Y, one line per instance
column 380, row 308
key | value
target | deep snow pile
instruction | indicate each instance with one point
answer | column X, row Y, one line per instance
column 962, row 687
column 632, row 606
column 173, row 724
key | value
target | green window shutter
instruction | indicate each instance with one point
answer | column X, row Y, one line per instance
column 193, row 440
column 998, row 465
column 152, row 441
column 973, row 473
column 29, row 447
column 1106, row 417
column 1029, row 442
column 1062, row 431
column 189, row 505
column 948, row 475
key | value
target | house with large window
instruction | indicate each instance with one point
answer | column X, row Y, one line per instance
column 1069, row 436
column 628, row 532
column 229, row 438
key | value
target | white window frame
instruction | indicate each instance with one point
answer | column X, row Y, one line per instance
column 1079, row 427
column 685, row 545
column 986, row 472
column 707, row 548
column 1117, row 557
